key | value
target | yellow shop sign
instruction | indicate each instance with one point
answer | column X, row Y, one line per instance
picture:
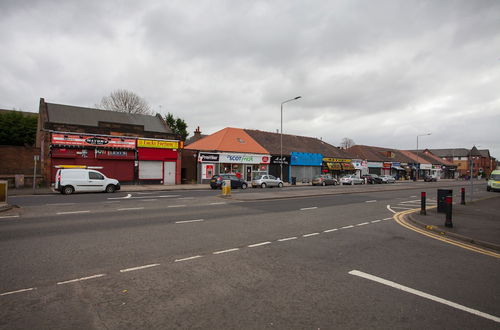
column 337, row 160
column 157, row 144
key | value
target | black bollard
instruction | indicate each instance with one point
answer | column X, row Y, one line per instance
column 449, row 202
column 422, row 203
column 462, row 202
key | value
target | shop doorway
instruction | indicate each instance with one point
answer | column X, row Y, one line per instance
column 248, row 173
column 168, row 172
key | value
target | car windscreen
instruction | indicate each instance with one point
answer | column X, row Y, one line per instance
column 258, row 177
column 495, row 177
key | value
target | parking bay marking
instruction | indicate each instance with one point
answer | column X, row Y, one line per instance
column 423, row 295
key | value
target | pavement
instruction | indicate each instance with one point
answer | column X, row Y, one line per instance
column 476, row 222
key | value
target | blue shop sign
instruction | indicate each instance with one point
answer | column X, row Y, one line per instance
column 306, row 159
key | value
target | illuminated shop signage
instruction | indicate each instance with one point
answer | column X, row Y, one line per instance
column 209, row 158
column 90, row 140
column 337, row 160
column 161, row 144
column 234, row 158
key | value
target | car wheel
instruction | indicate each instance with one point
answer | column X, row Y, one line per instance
column 488, row 188
column 263, row 185
column 243, row 186
column 68, row 190
column 110, row 188
column 280, row 185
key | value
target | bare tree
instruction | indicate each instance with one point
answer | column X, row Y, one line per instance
column 347, row 143
column 125, row 101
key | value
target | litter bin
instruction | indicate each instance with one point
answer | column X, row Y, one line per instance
column 294, row 180
column 441, row 196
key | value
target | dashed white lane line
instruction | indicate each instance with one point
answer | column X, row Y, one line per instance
column 188, row 221
column 217, row 203
column 171, row 206
column 72, row 212
column 9, row 216
column 412, row 196
column 362, row 224
column 130, row 208
column 308, row 208
column 188, row 258
column 81, row 279
column 149, row 200
column 226, row 251
column 330, row 230
column 386, row 219
column 186, row 198
column 17, row 291
column 311, row 234
column 424, row 295
column 347, row 227
column 287, row 239
column 138, row 268
column 60, row 204
column 372, row 201
column 375, row 221
column 259, row 244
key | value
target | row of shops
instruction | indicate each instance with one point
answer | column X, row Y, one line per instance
column 127, row 159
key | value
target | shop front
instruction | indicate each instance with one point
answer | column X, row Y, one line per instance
column 246, row 166
column 338, row 167
column 375, row 168
column 158, row 161
column 361, row 166
column 114, row 155
column 304, row 166
column 386, row 168
column 275, row 166
column 397, row 171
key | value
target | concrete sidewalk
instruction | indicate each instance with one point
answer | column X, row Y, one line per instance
column 477, row 222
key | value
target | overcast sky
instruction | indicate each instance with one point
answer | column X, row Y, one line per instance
column 378, row 72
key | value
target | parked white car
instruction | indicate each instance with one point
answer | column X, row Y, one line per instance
column 69, row 180
column 266, row 181
column 351, row 179
column 388, row 179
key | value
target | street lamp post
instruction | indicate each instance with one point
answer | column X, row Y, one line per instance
column 418, row 164
column 281, row 135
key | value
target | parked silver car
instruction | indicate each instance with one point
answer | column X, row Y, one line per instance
column 387, row 179
column 351, row 179
column 266, row 181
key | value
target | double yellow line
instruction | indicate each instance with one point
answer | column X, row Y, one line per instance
column 400, row 218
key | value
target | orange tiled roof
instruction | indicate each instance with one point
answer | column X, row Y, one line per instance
column 228, row 139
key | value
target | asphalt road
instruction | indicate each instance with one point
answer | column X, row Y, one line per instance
column 191, row 259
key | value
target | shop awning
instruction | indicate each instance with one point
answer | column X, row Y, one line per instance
column 347, row 166
column 334, row 166
column 397, row 168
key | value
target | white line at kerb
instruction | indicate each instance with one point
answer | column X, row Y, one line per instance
column 17, row 291
column 81, row 279
column 308, row 208
column 72, row 212
column 138, row 268
column 424, row 295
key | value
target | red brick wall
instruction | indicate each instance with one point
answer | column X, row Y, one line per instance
column 18, row 160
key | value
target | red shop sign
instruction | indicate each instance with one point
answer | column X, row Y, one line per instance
column 92, row 141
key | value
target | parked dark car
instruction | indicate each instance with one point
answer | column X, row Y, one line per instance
column 216, row 181
column 371, row 178
column 323, row 180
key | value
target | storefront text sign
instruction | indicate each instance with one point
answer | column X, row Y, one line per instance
column 337, row 160
column 234, row 158
column 90, row 140
column 285, row 160
column 157, row 144
column 209, row 158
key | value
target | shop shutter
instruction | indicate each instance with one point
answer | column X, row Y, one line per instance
column 150, row 170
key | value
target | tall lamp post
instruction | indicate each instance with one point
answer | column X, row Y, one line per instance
column 418, row 164
column 281, row 135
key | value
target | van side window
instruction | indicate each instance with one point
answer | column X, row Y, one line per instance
column 95, row 176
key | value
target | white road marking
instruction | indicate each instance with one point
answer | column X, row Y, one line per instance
column 372, row 201
column 312, row 234
column 176, row 206
column 188, row 258
column 217, row 203
column 130, row 208
column 186, row 197
column 287, row 239
column 308, row 208
column 81, row 279
column 149, row 200
column 144, row 193
column 111, row 202
column 417, row 201
column 167, row 196
column 128, row 196
column 330, row 230
column 137, row 268
column 347, row 227
column 387, row 219
column 413, row 197
column 9, row 216
column 424, row 295
column 259, row 244
column 389, row 208
column 188, row 221
column 17, row 291
column 363, row 223
column 375, row 221
column 402, row 208
column 58, row 204
column 72, row 212
column 226, row 251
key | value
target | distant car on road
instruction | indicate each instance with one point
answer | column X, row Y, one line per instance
column 430, row 178
column 494, row 181
column 371, row 178
column 267, row 180
column 387, row 179
column 70, row 180
column 216, row 181
column 324, row 180
column 351, row 179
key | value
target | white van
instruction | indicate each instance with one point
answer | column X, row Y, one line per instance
column 69, row 180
